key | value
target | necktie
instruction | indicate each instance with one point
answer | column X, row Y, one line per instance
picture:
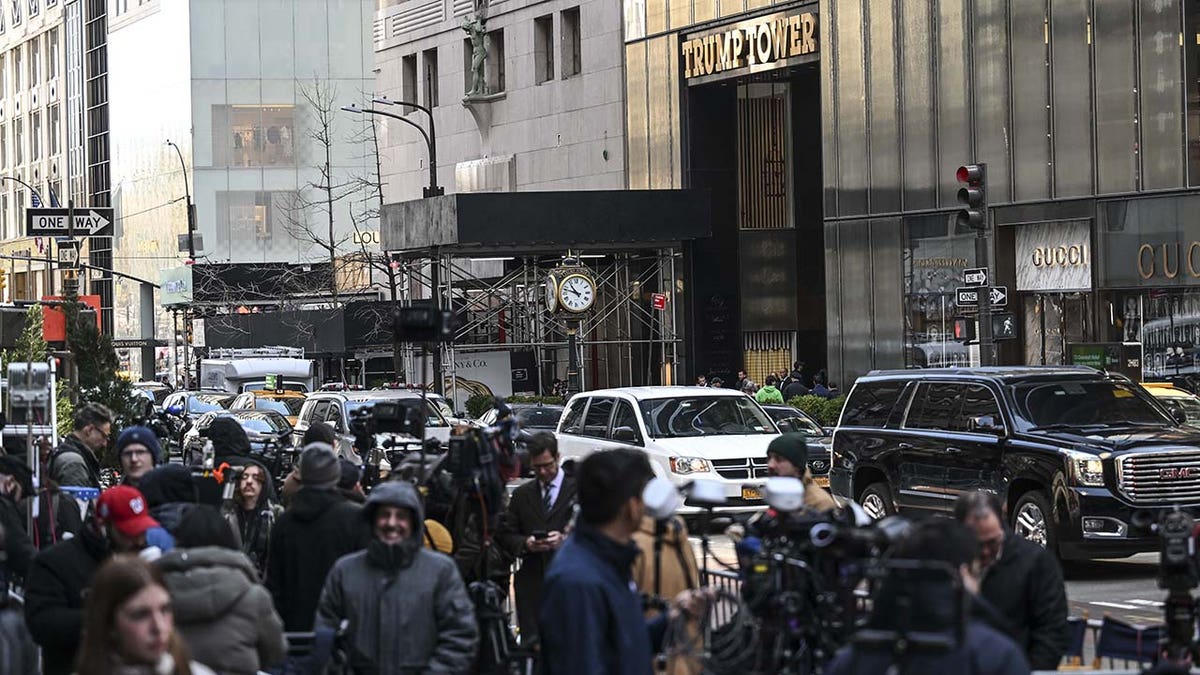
column 546, row 501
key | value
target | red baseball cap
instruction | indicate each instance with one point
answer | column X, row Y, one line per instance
column 125, row 508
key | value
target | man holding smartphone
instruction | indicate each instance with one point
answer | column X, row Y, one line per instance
column 534, row 525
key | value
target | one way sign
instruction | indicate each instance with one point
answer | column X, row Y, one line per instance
column 969, row 298
column 89, row 222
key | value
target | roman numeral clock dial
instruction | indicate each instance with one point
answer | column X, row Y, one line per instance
column 577, row 293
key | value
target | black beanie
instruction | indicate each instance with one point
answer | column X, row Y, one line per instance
column 793, row 447
column 228, row 437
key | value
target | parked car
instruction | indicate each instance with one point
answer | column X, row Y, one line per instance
column 286, row 403
column 532, row 417
column 687, row 433
column 1074, row 453
column 157, row 390
column 820, row 442
column 268, row 432
column 1180, row 402
column 192, row 404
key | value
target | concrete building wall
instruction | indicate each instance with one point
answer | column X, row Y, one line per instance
column 540, row 133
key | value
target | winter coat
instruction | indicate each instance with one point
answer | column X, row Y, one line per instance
column 320, row 527
column 223, row 613
column 18, row 549
column 54, row 589
column 769, row 394
column 74, row 464
column 793, row 389
column 407, row 606
column 58, row 515
column 816, row 498
column 18, row 653
column 983, row 650
column 254, row 525
column 679, row 573
column 591, row 620
column 1025, row 585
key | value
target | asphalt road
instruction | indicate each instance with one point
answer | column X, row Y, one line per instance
column 1126, row 589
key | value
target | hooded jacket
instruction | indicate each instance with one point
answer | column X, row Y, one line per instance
column 319, row 527
column 223, row 613
column 769, row 394
column 54, row 592
column 407, row 606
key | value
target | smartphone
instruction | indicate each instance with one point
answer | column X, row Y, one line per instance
column 540, row 535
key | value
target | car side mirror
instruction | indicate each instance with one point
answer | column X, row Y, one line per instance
column 1179, row 414
column 626, row 435
column 986, row 424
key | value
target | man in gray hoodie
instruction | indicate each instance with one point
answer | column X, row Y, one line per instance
column 407, row 605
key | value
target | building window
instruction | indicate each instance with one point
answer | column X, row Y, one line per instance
column 52, row 48
column 18, row 64
column 18, row 136
column 408, row 79
column 4, row 220
column 430, row 58
column 249, row 216
column 35, row 62
column 16, row 12
column 4, row 145
column 55, row 129
column 3, row 74
column 55, row 187
column 35, row 136
column 572, row 61
column 495, row 61
column 543, row 48
column 51, row 3
column 35, row 6
column 254, row 135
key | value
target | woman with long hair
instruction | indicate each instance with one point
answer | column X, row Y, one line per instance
column 128, row 627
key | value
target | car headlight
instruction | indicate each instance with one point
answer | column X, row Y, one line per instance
column 687, row 465
column 1086, row 469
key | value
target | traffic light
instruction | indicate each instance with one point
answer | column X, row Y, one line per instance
column 3, row 282
column 972, row 196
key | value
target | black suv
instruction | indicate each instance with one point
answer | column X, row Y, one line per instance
column 1074, row 453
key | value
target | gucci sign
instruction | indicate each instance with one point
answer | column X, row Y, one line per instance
column 1060, row 256
column 1055, row 256
column 1169, row 259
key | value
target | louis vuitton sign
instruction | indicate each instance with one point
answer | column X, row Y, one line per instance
column 751, row 46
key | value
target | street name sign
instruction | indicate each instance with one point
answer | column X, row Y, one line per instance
column 89, row 222
column 68, row 254
column 975, row 276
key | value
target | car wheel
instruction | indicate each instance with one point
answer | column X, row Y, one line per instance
column 1032, row 519
column 876, row 500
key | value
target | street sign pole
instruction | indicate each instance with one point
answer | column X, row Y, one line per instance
column 987, row 345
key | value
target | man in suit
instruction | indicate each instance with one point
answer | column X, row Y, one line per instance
column 534, row 525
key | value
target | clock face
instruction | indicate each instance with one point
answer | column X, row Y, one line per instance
column 576, row 293
column 551, row 293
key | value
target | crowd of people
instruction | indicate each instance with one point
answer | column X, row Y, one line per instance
column 780, row 386
column 163, row 574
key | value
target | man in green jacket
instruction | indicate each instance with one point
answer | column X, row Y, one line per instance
column 770, row 392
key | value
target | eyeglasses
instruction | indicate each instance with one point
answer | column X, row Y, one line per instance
column 130, row 454
column 102, row 432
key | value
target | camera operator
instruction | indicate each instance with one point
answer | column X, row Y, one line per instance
column 533, row 526
column 1021, row 580
column 930, row 607
column 787, row 457
column 317, row 432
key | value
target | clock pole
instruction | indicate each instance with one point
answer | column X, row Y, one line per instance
column 573, row 384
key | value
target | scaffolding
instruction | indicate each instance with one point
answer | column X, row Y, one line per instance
column 621, row 341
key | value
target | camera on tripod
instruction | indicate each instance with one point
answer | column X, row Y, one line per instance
column 1178, row 575
column 397, row 417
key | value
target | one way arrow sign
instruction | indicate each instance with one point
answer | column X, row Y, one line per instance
column 89, row 222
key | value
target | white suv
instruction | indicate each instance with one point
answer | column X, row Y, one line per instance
column 687, row 432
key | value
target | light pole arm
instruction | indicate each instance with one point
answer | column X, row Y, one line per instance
column 430, row 142
column 187, row 196
column 31, row 189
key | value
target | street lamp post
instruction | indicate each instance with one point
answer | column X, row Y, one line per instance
column 50, row 240
column 431, row 190
column 191, row 209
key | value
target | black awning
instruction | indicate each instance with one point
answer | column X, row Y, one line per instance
column 531, row 222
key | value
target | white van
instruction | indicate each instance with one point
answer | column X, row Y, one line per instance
column 687, row 433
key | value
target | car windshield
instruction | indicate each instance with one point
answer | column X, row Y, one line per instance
column 539, row 418
column 704, row 416
column 432, row 417
column 1097, row 403
column 264, row 425
column 210, row 403
column 794, row 420
column 283, row 406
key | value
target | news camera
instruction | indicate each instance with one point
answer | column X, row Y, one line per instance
column 1178, row 575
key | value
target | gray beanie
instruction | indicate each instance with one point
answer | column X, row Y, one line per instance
column 319, row 467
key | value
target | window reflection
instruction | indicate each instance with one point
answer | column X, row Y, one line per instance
column 250, row 136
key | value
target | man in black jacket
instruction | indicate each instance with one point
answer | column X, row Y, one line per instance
column 319, row 527
column 60, row 575
column 1021, row 580
column 533, row 527
column 75, row 462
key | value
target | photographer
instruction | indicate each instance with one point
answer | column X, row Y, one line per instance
column 906, row 607
column 1020, row 579
column 787, row 457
